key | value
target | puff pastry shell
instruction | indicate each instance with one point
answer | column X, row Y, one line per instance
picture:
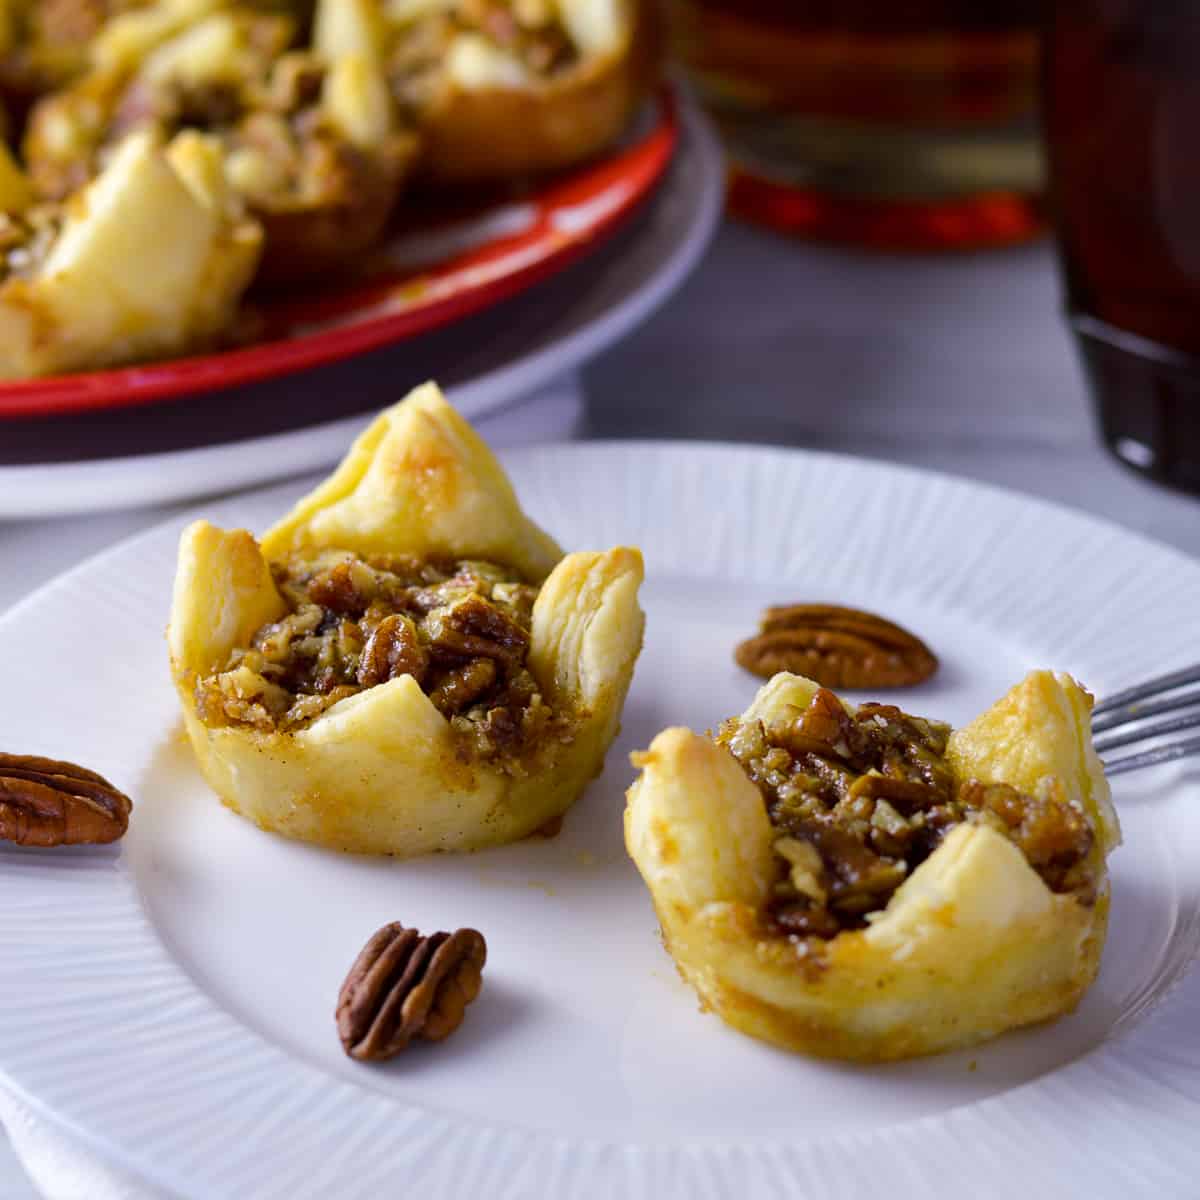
column 322, row 198
column 971, row 944
column 490, row 119
column 379, row 771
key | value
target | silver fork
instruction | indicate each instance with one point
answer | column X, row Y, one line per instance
column 1121, row 720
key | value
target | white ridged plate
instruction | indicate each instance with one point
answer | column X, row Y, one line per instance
column 170, row 1002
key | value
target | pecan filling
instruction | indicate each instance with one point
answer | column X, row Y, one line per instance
column 527, row 31
column 265, row 108
column 460, row 629
column 859, row 802
column 48, row 40
column 26, row 239
column 281, row 150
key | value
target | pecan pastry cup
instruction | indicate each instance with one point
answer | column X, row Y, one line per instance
column 313, row 143
column 504, row 88
column 860, row 884
column 46, row 44
column 406, row 663
column 69, row 299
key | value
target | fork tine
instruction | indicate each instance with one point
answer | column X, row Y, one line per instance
column 1152, row 687
column 1139, row 712
column 1127, row 736
column 1148, row 758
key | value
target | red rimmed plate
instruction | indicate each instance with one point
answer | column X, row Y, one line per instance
column 431, row 275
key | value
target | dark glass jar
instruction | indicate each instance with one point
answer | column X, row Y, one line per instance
column 895, row 123
column 1122, row 118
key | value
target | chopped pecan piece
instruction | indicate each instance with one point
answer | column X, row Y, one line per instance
column 803, row 918
column 859, row 878
column 905, row 730
column 1052, row 833
column 473, row 628
column 403, row 985
column 462, row 686
column 825, row 720
column 343, row 588
column 907, row 795
column 838, row 647
column 44, row 802
column 393, row 649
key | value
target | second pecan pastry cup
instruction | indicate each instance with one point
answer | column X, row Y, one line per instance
column 863, row 884
column 406, row 663
column 312, row 142
column 508, row 88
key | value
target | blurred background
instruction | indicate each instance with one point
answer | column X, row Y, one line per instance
column 960, row 234
column 956, row 234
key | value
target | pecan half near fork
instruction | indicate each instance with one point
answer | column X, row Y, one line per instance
column 44, row 802
column 837, row 647
column 403, row 985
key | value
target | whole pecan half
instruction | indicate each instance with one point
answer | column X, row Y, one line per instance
column 44, row 802
column 403, row 985
column 837, row 647
column 393, row 649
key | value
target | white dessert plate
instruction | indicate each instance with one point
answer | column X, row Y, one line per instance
column 168, row 1003
column 275, row 429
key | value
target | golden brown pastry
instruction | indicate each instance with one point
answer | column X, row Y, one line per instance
column 47, row 44
column 406, row 662
column 68, row 298
column 503, row 88
column 861, row 884
column 312, row 138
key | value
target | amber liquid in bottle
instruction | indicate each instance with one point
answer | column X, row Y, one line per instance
column 894, row 124
column 1122, row 118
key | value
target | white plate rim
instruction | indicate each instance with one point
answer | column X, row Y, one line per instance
column 643, row 1169
column 56, row 489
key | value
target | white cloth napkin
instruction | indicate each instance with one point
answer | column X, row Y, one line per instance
column 62, row 1170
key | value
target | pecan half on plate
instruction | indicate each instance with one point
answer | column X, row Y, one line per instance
column 403, row 985
column 837, row 647
column 44, row 802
